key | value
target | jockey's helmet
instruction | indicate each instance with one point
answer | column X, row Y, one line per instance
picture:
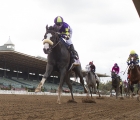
column 58, row 21
column 115, row 64
column 91, row 63
column 132, row 52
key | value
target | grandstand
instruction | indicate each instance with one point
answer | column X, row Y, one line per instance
column 22, row 71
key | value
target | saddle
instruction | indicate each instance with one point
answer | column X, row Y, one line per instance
column 93, row 73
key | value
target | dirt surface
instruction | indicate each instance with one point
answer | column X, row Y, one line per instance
column 44, row 107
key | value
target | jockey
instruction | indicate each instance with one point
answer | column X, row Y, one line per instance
column 125, row 83
column 133, row 53
column 92, row 67
column 66, row 34
column 116, row 69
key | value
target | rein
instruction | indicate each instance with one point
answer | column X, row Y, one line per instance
column 55, row 44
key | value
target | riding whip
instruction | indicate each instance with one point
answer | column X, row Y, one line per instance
column 126, row 69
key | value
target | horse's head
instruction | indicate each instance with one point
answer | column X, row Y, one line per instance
column 51, row 39
column 132, row 62
column 113, row 74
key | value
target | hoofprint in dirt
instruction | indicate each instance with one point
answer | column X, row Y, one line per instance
column 44, row 107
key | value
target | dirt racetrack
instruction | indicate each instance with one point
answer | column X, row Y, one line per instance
column 44, row 107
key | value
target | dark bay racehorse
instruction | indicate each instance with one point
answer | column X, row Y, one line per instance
column 125, row 88
column 115, row 83
column 58, row 60
column 91, row 81
column 128, row 88
column 134, row 72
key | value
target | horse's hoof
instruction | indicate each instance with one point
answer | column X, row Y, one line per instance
column 138, row 98
column 58, row 102
column 37, row 90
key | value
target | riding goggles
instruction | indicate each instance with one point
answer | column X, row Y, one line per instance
column 59, row 24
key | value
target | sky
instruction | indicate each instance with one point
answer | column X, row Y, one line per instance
column 104, row 31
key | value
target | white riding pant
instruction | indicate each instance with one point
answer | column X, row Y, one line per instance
column 69, row 41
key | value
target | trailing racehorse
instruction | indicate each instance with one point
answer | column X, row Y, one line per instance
column 115, row 83
column 125, row 88
column 134, row 74
column 59, row 60
column 91, row 81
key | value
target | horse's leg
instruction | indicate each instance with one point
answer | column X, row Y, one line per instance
column 124, row 91
column 94, row 86
column 117, row 92
column 130, row 90
column 111, row 91
column 138, row 98
column 98, row 88
column 91, row 90
column 67, row 78
column 78, row 71
column 121, row 90
column 127, row 91
column 87, row 81
column 116, row 89
column 62, row 76
column 139, row 88
column 49, row 69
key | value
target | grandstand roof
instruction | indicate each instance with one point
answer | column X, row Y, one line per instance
column 99, row 75
column 24, row 61
column 137, row 6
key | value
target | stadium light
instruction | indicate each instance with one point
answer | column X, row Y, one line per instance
column 1, row 68
column 7, row 70
column 40, row 75
column 32, row 73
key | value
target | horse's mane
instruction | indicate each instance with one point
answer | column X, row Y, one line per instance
column 52, row 28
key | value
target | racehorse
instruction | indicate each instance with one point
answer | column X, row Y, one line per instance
column 115, row 83
column 134, row 74
column 128, row 88
column 125, row 88
column 91, row 81
column 59, row 60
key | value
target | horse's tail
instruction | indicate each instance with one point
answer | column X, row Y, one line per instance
column 75, row 76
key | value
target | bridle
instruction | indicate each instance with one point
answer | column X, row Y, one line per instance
column 53, row 46
column 132, row 63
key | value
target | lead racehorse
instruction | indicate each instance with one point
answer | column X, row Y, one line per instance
column 59, row 60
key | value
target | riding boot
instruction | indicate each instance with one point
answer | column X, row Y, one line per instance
column 75, row 56
column 94, row 73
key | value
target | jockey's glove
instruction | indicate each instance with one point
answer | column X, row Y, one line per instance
column 66, row 37
column 59, row 35
column 137, row 61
